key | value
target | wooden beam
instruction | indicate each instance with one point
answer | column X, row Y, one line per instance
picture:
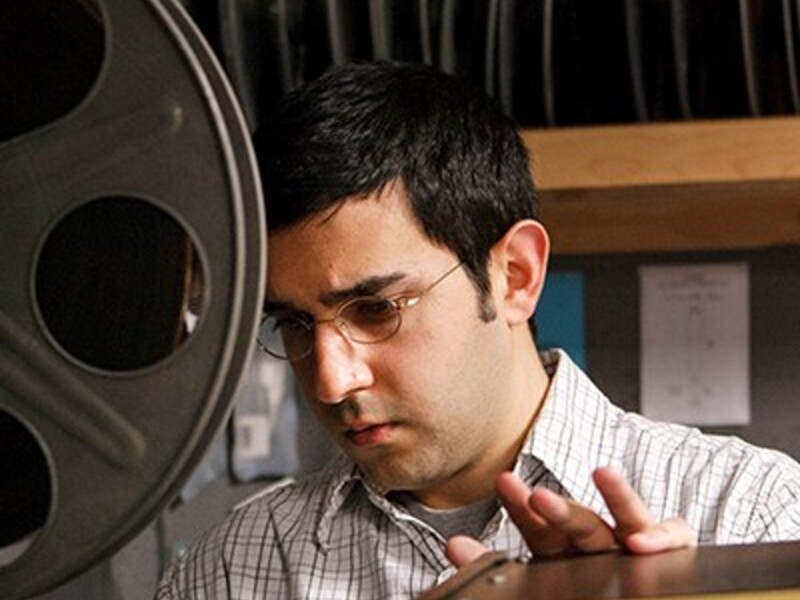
column 674, row 218
column 721, row 185
column 664, row 153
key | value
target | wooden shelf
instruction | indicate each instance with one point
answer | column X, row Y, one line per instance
column 700, row 185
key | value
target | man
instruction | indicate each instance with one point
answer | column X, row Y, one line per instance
column 405, row 261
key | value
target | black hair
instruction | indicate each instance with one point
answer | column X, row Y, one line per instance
column 361, row 126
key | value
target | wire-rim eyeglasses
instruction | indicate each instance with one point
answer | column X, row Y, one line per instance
column 364, row 320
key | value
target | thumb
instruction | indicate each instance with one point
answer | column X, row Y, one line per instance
column 462, row 549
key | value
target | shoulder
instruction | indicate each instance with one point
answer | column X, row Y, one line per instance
column 730, row 490
column 287, row 500
column 688, row 450
column 682, row 444
column 250, row 539
column 303, row 494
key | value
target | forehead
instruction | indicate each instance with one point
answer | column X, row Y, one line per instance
column 363, row 237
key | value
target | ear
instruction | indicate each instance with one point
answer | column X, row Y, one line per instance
column 519, row 259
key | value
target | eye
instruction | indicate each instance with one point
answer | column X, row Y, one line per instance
column 371, row 310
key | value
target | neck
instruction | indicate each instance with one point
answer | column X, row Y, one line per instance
column 530, row 384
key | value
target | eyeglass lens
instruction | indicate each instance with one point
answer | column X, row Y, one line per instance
column 363, row 320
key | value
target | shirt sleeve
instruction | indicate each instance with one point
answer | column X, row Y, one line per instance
column 779, row 510
column 766, row 499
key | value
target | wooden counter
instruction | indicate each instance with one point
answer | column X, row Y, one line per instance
column 765, row 571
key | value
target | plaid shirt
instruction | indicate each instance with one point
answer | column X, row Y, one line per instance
column 331, row 536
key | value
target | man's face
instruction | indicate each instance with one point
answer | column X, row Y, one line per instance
column 421, row 411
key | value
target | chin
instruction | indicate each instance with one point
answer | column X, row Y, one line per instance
column 397, row 477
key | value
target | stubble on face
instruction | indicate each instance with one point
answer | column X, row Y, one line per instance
column 442, row 430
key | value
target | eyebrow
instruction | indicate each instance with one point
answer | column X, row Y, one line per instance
column 371, row 286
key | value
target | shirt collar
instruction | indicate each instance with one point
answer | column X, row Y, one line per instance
column 565, row 436
column 341, row 475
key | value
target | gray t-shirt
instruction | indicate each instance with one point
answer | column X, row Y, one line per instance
column 468, row 520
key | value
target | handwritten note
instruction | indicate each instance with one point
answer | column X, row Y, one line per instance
column 695, row 343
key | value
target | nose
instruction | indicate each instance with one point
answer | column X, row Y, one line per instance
column 339, row 366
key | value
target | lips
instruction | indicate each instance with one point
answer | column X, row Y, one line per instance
column 369, row 434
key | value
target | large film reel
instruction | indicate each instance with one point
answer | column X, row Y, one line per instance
column 132, row 262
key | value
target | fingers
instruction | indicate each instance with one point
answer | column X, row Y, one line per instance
column 514, row 494
column 462, row 549
column 669, row 535
column 551, row 524
column 636, row 528
column 536, row 531
column 580, row 528
column 628, row 509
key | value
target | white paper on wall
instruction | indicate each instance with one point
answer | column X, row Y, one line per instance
column 695, row 343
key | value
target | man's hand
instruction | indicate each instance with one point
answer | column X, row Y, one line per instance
column 553, row 525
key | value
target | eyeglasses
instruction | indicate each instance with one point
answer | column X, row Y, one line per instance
column 364, row 320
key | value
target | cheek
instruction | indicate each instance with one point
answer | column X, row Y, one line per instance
column 466, row 367
column 429, row 371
